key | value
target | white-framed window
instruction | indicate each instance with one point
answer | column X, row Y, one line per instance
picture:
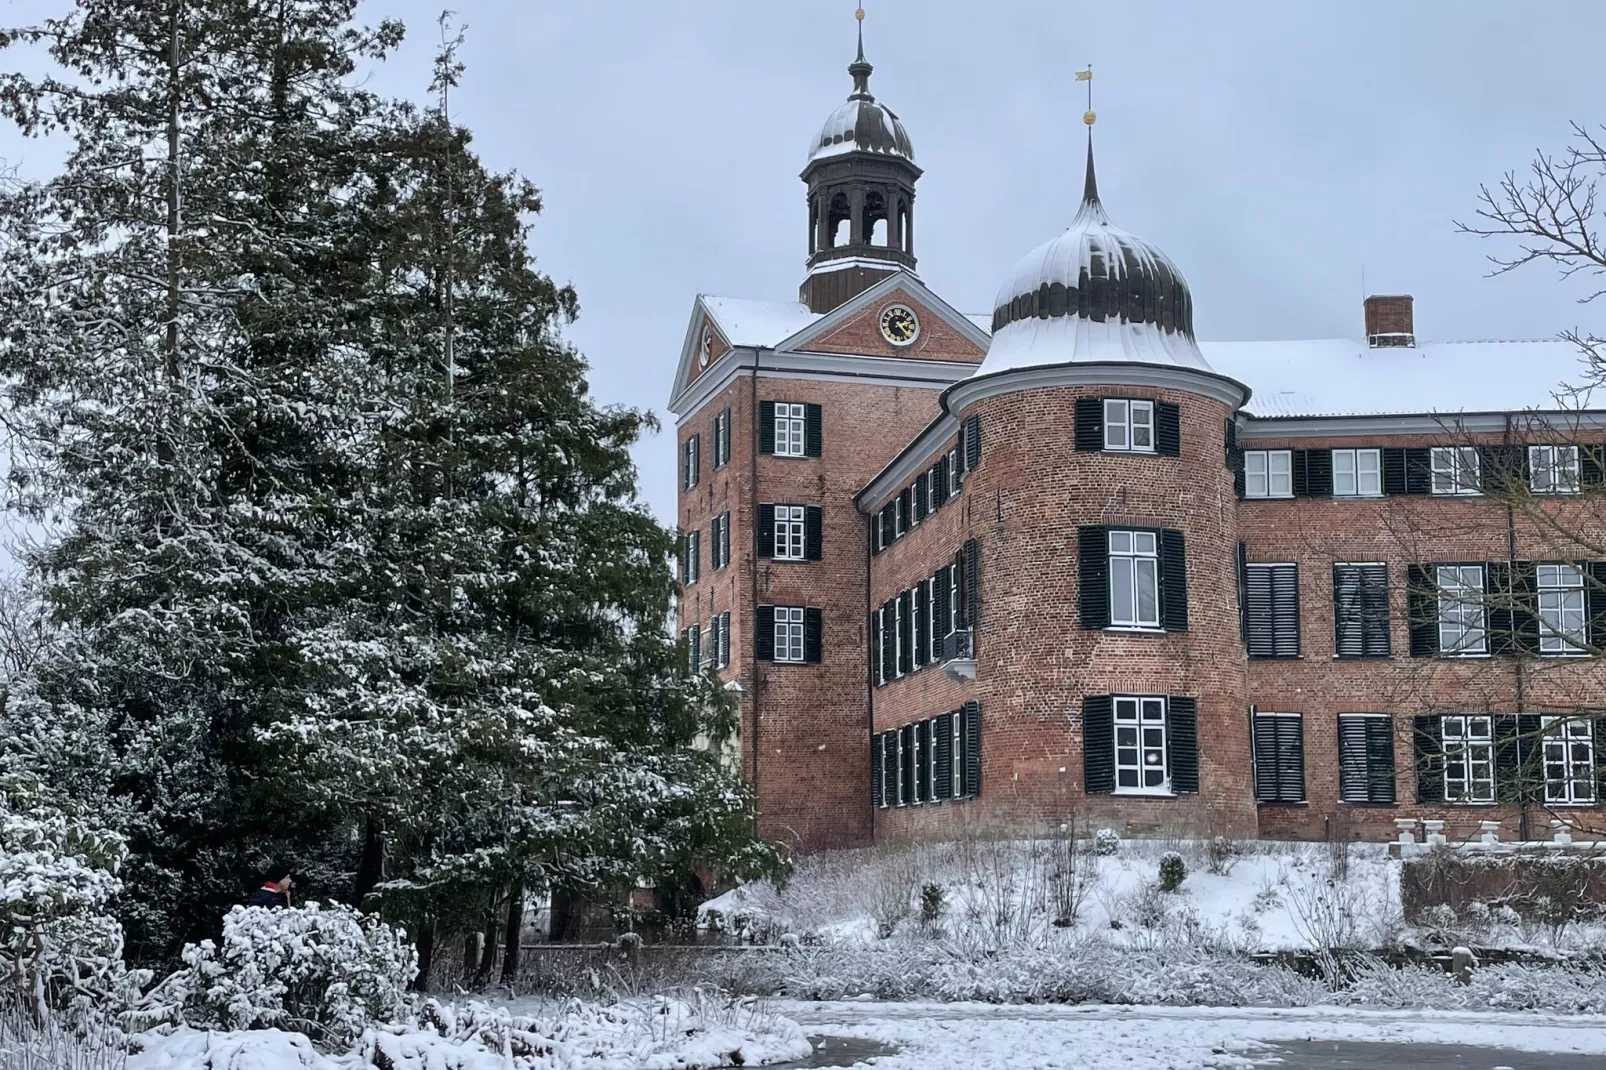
column 956, row 476
column 1134, row 579
column 722, row 648
column 933, row 490
column 1463, row 620
column 897, row 636
column 690, row 462
column 934, row 626
column 1268, row 473
column 719, row 550
column 789, row 420
column 789, row 633
column 789, row 532
column 1129, row 425
column 1553, row 469
column 1455, row 470
column 1468, row 758
column 1140, row 759
column 1357, row 473
column 1562, row 628
column 951, row 625
column 722, row 439
column 877, row 644
column 694, row 651
column 1569, row 755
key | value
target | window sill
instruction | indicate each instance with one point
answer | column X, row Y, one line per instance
column 1455, row 493
column 1301, row 804
column 1589, row 805
column 1268, row 497
column 1563, row 654
column 1368, row 803
column 1276, row 657
column 1134, row 629
column 1131, row 452
column 1363, row 657
column 1357, row 497
column 1144, row 793
column 1484, row 656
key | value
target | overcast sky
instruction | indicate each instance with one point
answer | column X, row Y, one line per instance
column 1274, row 149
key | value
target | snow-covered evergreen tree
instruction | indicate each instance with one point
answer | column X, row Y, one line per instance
column 350, row 569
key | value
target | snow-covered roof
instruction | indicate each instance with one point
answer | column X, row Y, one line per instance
column 1341, row 377
column 862, row 124
column 758, row 323
column 1093, row 294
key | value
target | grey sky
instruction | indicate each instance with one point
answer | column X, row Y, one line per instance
column 1273, row 149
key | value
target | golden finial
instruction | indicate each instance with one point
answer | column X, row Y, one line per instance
column 859, row 14
column 1088, row 116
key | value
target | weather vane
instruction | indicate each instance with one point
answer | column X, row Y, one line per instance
column 1087, row 76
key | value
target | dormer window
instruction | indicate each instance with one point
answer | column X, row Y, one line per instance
column 1129, row 425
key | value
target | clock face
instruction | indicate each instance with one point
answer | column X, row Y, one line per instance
column 708, row 346
column 899, row 325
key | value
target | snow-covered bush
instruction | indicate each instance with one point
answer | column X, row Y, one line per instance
column 1106, row 842
column 60, row 946
column 1173, row 871
column 1222, row 854
column 327, row 971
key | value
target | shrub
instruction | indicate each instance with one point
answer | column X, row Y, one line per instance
column 1106, row 842
column 1173, row 871
column 329, row 972
column 1221, row 854
column 60, row 946
column 933, row 903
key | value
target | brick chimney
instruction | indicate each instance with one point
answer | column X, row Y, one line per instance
column 1389, row 321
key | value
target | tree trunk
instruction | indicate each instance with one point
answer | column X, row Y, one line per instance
column 426, row 953
column 513, row 933
column 482, row 976
column 371, row 866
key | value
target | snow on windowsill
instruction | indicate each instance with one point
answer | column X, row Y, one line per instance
column 1134, row 629
column 1152, row 793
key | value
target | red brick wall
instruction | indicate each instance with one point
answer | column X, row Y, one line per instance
column 813, row 735
column 862, row 334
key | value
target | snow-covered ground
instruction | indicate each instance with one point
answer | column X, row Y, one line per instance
column 653, row 1034
column 987, row 1037
column 1262, row 897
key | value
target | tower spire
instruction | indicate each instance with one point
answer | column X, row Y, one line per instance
column 860, row 67
column 1090, row 183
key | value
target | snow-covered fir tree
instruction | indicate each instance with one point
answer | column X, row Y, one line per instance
column 348, row 568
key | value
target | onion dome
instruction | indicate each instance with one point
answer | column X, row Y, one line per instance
column 1093, row 294
column 862, row 124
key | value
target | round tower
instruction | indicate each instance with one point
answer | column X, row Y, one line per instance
column 861, row 178
column 1110, row 668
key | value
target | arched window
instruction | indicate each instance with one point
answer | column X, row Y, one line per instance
column 838, row 223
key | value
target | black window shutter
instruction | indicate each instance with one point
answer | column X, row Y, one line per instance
column 1429, row 761
column 1258, row 589
column 764, row 633
column 1235, row 465
column 1595, row 609
column 876, row 759
column 902, row 501
column 1422, row 609
column 970, row 721
column 922, row 489
column 1379, row 759
column 1513, row 607
column 972, row 556
column 1591, row 470
column 889, row 529
column 1418, row 470
column 1298, row 476
column 1354, row 784
column 906, row 764
column 1375, row 610
column 1291, row 758
column 1530, row 784
column 1093, row 577
column 766, row 530
column 972, row 442
column 1242, row 569
column 889, row 638
column 878, row 669
column 766, row 427
column 922, row 627
column 889, row 768
column 1230, row 436
column 813, row 531
column 725, row 638
column 1098, row 745
column 1273, row 611
column 939, row 478
column 905, row 635
column 812, row 439
column 1507, row 758
column 1349, row 616
column 1600, row 762
column 811, row 635
column 1090, row 425
column 724, row 445
column 1182, row 743
column 1500, row 468
column 942, row 746
column 1393, row 469
column 923, row 761
column 943, row 606
column 1173, row 581
column 1167, row 429
column 1319, row 473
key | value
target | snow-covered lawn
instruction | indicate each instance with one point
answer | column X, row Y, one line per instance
column 647, row 1034
column 988, row 1037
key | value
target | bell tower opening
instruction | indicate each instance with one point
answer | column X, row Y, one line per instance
column 861, row 176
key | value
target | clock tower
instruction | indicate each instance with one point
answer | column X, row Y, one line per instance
column 861, row 178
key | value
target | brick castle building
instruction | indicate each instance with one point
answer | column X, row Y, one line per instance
column 1062, row 559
